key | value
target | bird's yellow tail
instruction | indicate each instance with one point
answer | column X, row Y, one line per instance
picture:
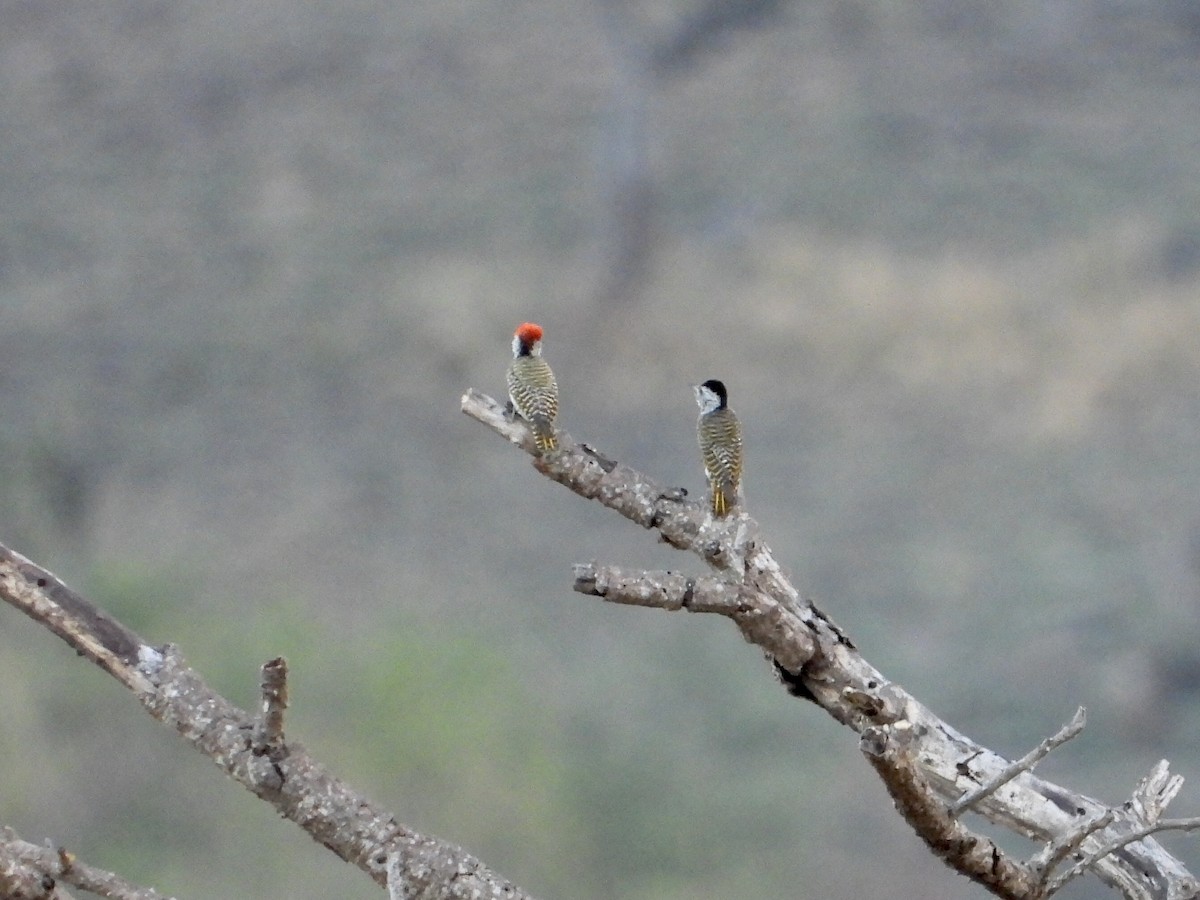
column 720, row 500
column 544, row 436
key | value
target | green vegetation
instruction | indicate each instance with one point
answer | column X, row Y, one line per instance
column 945, row 256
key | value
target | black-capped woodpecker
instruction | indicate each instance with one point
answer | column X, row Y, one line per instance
column 720, row 436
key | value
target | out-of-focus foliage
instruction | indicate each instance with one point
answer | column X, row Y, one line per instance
column 946, row 256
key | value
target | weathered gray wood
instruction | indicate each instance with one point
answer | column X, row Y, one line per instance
column 30, row 872
column 251, row 749
column 819, row 662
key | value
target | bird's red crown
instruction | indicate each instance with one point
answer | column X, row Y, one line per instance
column 529, row 332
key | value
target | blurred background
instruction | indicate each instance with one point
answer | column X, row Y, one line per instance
column 946, row 256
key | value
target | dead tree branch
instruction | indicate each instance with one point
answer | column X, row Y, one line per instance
column 1024, row 764
column 889, row 750
column 31, row 872
column 1054, row 853
column 249, row 749
column 269, row 735
column 1144, row 818
column 819, row 662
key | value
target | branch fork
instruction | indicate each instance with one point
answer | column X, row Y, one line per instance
column 934, row 773
column 251, row 750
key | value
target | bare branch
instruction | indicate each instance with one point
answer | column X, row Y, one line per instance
column 819, row 662
column 890, row 752
column 30, row 871
column 1052, row 855
column 1155, row 792
column 1024, row 764
column 761, row 619
column 298, row 786
column 1150, row 800
column 1111, row 846
column 273, row 684
column 663, row 590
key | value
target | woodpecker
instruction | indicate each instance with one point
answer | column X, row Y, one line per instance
column 531, row 385
column 720, row 437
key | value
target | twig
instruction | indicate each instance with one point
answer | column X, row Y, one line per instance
column 1154, row 793
column 831, row 672
column 1111, row 846
column 1144, row 811
column 27, row 870
column 274, row 688
column 1052, row 855
column 1024, row 764
column 298, row 786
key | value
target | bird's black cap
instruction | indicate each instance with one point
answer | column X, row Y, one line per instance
column 718, row 388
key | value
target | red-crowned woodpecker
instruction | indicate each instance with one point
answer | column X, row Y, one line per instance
column 720, row 437
column 531, row 385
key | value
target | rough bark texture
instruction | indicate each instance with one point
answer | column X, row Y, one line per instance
column 818, row 662
column 251, row 749
column 889, row 751
column 926, row 764
column 30, row 872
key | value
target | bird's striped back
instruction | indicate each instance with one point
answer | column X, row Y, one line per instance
column 534, row 395
column 720, row 436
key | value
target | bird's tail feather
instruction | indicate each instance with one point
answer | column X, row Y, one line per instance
column 543, row 434
column 722, row 499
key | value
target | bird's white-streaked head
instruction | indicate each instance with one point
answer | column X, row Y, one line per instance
column 710, row 396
